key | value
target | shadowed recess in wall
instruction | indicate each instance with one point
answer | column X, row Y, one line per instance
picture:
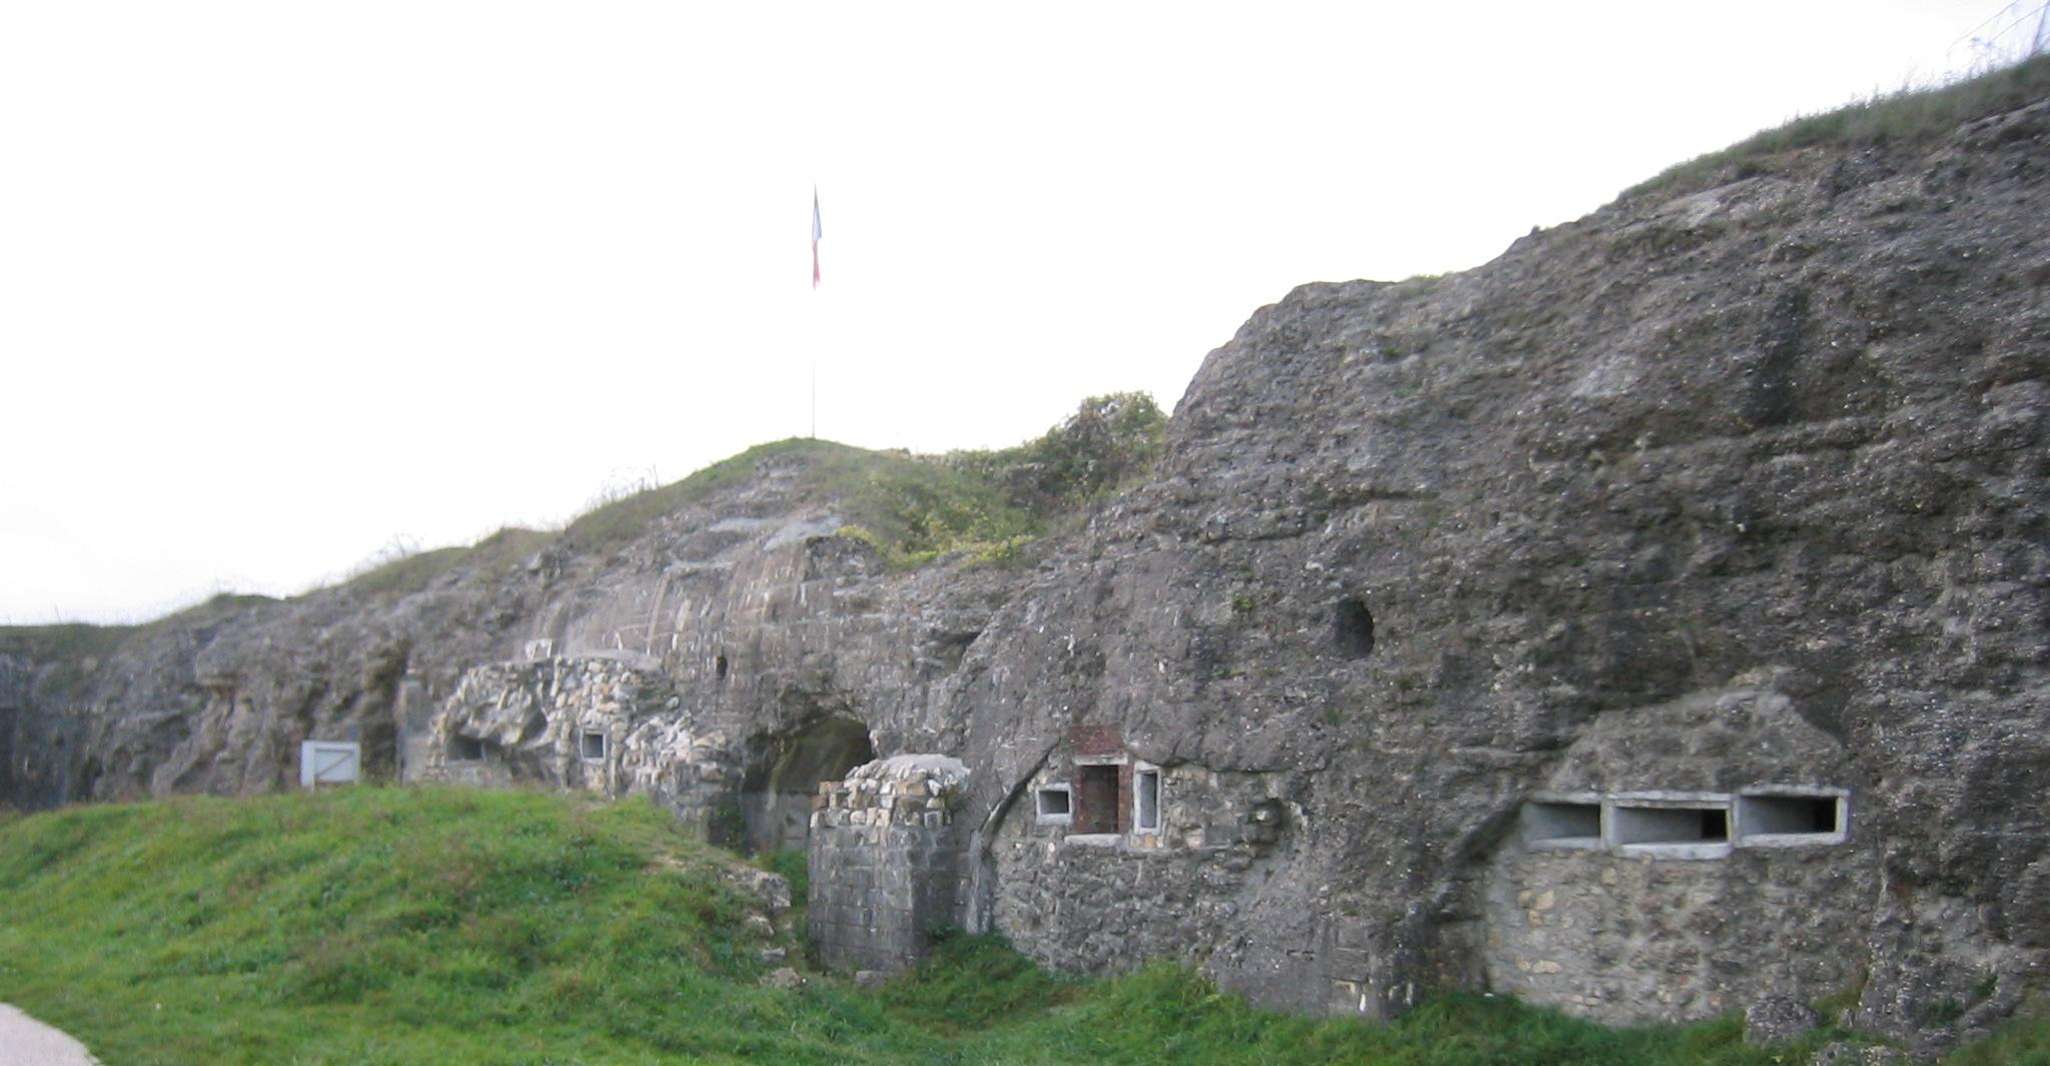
column 1352, row 628
column 776, row 795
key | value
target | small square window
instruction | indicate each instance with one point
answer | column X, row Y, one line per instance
column 1054, row 805
column 592, row 746
column 465, row 749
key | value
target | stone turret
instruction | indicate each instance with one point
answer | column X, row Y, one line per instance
column 885, row 861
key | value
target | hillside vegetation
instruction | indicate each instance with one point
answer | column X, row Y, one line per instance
column 79, row 640
column 1909, row 116
column 435, row 926
column 912, row 508
column 915, row 508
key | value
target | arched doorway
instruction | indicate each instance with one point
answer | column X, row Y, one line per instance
column 776, row 795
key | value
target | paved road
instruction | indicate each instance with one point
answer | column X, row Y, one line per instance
column 25, row 1041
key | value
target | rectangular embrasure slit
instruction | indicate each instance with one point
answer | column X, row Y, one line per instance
column 1792, row 819
column 1562, row 824
column 1677, row 824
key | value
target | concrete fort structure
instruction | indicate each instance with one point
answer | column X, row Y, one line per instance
column 1652, row 622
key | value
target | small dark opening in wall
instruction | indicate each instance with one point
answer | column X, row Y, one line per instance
column 465, row 749
column 1790, row 815
column 1054, row 803
column 592, row 746
column 1352, row 629
column 719, row 666
column 1563, row 824
column 1671, row 825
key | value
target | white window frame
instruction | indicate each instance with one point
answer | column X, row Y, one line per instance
column 1139, row 771
column 583, row 745
column 1042, row 816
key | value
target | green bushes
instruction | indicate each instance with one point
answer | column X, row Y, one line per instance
column 1105, row 443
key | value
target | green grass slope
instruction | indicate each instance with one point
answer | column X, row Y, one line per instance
column 438, row 926
column 386, row 925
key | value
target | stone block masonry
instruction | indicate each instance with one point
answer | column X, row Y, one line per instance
column 885, row 862
column 1103, row 899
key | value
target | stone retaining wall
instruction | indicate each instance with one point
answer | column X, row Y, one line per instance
column 603, row 725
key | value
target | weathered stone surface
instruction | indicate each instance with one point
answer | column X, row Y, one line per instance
column 1778, row 1020
column 1843, row 1054
column 1725, row 499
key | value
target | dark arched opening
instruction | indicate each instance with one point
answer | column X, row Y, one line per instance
column 1352, row 629
column 776, row 794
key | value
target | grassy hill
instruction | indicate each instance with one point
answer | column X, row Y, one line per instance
column 913, row 508
column 435, row 926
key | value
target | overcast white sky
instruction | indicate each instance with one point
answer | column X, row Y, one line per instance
column 282, row 282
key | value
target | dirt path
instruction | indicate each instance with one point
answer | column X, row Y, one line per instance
column 25, row 1041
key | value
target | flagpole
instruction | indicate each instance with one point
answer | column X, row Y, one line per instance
column 816, row 232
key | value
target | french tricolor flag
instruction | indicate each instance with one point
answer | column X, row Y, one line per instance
column 815, row 234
